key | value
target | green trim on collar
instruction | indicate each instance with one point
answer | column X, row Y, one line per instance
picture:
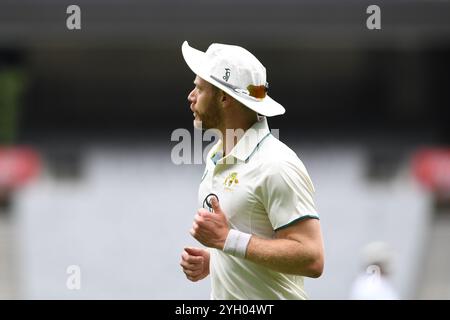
column 257, row 146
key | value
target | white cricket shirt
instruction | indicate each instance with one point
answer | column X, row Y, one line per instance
column 265, row 189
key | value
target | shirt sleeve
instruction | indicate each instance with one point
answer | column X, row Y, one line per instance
column 287, row 193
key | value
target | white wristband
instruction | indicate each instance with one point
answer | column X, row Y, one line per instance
column 236, row 243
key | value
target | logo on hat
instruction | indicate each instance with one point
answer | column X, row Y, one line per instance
column 227, row 74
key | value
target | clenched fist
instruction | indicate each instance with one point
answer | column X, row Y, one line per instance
column 211, row 228
column 195, row 263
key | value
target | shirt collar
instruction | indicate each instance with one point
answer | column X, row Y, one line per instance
column 250, row 140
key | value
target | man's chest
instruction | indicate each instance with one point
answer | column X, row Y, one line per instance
column 237, row 187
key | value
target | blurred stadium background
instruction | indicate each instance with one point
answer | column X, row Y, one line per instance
column 86, row 117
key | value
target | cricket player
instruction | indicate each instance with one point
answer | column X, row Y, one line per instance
column 256, row 216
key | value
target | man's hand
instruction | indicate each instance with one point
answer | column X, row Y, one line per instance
column 195, row 263
column 211, row 228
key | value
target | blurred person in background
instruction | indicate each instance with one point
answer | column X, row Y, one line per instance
column 262, row 229
column 374, row 282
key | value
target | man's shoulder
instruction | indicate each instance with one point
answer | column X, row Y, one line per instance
column 274, row 150
column 276, row 154
column 278, row 160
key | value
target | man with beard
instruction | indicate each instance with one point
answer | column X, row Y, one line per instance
column 257, row 219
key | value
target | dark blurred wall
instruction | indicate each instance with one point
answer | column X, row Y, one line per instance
column 144, row 90
column 123, row 73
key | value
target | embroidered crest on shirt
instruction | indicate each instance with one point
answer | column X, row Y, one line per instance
column 231, row 181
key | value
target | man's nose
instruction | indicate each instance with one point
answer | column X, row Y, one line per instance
column 191, row 96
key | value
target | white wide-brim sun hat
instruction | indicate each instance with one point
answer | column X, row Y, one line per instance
column 236, row 71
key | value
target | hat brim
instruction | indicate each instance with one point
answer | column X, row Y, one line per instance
column 196, row 60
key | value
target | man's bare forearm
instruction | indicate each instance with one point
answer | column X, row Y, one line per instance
column 286, row 256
